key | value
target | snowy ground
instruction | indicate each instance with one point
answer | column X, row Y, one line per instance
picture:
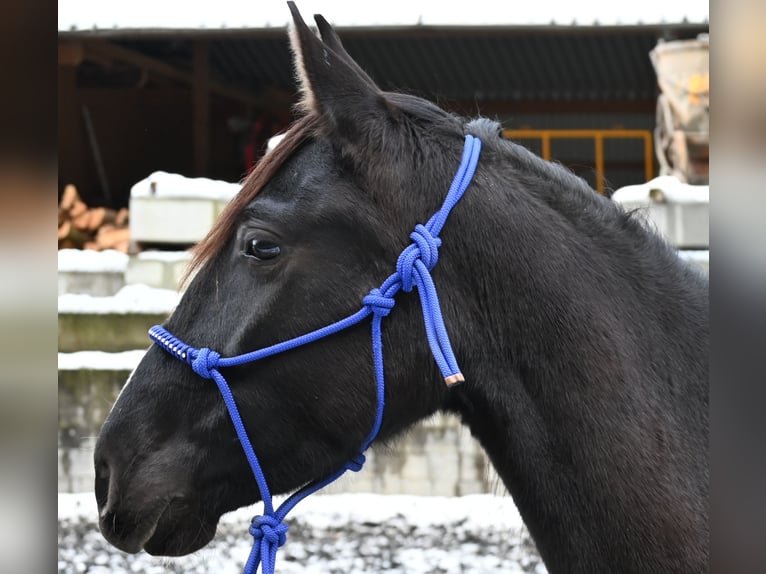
column 332, row 534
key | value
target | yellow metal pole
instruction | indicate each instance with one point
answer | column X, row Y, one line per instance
column 598, row 137
column 546, row 137
column 648, row 156
column 599, row 140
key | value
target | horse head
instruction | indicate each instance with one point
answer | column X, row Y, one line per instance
column 318, row 223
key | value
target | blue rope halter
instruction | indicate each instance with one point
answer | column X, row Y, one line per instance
column 412, row 270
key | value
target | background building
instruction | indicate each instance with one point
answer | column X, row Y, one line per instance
column 198, row 91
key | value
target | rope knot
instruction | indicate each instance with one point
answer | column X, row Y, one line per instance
column 379, row 304
column 356, row 463
column 205, row 361
column 425, row 248
column 268, row 529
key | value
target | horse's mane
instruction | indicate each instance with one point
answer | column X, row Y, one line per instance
column 210, row 246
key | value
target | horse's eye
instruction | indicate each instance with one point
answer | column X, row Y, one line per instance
column 262, row 249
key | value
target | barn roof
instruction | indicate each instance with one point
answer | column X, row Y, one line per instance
column 152, row 15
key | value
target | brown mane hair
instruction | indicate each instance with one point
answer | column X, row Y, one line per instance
column 210, row 246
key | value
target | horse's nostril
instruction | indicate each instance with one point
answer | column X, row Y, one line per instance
column 103, row 475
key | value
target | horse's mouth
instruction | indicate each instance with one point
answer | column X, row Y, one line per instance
column 170, row 529
column 126, row 531
column 179, row 530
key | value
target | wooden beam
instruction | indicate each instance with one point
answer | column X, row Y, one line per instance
column 100, row 49
column 201, row 107
column 70, row 53
column 492, row 107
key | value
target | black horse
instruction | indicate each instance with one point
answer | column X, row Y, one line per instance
column 582, row 336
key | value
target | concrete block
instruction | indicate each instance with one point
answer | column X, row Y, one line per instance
column 85, row 397
column 172, row 220
column 172, row 209
column 146, row 272
column 676, row 210
column 75, row 469
column 470, row 487
column 115, row 323
column 444, row 469
column 442, row 462
column 416, row 487
column 161, row 269
column 85, row 271
column 700, row 258
column 98, row 283
column 415, row 468
column 105, row 332
column 685, row 225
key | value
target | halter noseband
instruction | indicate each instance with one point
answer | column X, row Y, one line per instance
column 412, row 270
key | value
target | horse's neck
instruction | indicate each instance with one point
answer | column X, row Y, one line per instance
column 576, row 365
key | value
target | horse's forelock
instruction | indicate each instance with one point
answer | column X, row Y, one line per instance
column 266, row 168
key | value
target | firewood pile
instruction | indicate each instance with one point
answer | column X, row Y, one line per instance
column 97, row 228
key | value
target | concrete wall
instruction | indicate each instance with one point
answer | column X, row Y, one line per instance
column 436, row 457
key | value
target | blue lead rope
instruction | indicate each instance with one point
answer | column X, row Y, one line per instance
column 412, row 270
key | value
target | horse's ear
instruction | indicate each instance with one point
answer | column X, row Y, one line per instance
column 332, row 40
column 332, row 84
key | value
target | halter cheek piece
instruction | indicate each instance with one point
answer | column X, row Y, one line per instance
column 412, row 270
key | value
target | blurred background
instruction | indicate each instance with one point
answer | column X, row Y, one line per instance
column 199, row 91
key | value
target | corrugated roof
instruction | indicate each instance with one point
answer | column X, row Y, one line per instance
column 490, row 65
column 114, row 15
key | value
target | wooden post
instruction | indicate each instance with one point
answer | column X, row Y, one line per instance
column 201, row 107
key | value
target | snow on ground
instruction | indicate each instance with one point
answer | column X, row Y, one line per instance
column 135, row 298
column 100, row 360
column 170, row 256
column 90, row 261
column 332, row 534
column 110, row 260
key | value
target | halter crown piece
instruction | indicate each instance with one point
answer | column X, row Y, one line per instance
column 412, row 270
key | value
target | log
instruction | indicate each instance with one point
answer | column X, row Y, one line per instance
column 122, row 246
column 63, row 216
column 68, row 232
column 67, row 244
column 71, row 202
column 78, row 209
column 69, row 197
column 109, row 236
column 94, row 218
column 96, row 228
column 122, row 217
